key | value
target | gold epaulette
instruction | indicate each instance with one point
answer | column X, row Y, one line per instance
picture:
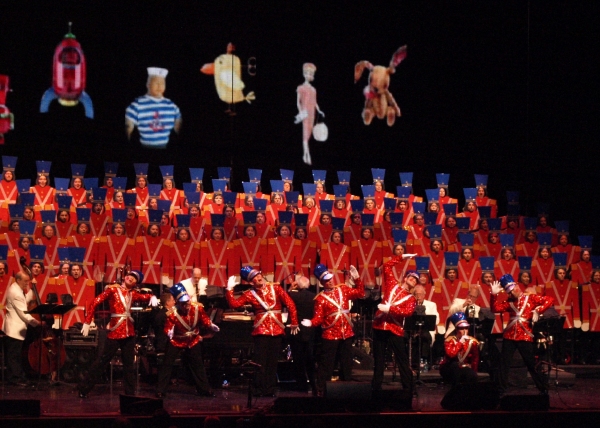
column 139, row 239
column 198, row 304
column 113, row 286
column 101, row 239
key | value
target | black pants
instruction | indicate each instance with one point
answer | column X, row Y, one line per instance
column 111, row 347
column 382, row 339
column 192, row 357
column 453, row 374
column 303, row 362
column 527, row 353
column 14, row 367
column 266, row 354
column 329, row 350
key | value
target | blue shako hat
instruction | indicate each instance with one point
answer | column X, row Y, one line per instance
column 412, row 273
column 179, row 293
column 459, row 319
column 139, row 276
column 507, row 282
column 248, row 273
column 322, row 274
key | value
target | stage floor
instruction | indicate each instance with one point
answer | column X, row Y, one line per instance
column 574, row 390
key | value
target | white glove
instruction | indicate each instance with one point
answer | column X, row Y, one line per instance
column 230, row 283
column 165, row 280
column 306, row 323
column 301, row 116
column 171, row 332
column 294, row 329
column 85, row 330
column 464, row 338
column 153, row 301
column 354, row 273
column 383, row 308
column 535, row 317
column 409, row 256
column 214, row 327
column 496, row 287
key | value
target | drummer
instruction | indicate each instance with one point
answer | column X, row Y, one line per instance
column 121, row 332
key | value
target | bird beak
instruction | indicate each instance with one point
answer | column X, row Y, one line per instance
column 208, row 68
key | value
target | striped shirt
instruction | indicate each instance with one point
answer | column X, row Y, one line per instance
column 155, row 118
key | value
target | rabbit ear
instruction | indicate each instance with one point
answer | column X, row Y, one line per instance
column 397, row 58
column 359, row 68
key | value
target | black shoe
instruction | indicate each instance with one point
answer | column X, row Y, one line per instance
column 206, row 393
column 160, row 395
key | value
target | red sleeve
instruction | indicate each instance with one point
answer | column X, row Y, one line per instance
column 233, row 302
column 99, row 299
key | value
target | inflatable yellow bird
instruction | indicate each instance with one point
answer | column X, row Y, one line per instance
column 227, row 70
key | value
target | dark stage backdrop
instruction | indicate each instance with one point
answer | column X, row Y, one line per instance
column 507, row 88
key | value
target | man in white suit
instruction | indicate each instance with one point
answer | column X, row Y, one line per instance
column 195, row 286
column 15, row 327
column 425, row 307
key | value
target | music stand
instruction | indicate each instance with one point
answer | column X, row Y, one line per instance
column 418, row 323
column 60, row 310
column 547, row 328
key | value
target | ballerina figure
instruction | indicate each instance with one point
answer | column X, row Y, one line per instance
column 307, row 104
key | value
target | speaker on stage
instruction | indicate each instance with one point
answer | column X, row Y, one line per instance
column 525, row 402
column 133, row 405
column 20, row 408
column 349, row 396
column 474, row 396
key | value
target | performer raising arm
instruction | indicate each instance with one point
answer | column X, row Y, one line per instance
column 397, row 303
column 524, row 310
column 332, row 313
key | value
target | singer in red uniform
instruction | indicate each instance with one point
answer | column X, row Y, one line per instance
column 121, row 333
column 396, row 304
column 524, row 310
column 183, row 326
column 267, row 302
column 332, row 313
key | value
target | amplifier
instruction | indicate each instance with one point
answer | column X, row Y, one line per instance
column 75, row 338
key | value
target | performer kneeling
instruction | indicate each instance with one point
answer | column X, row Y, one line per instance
column 183, row 328
column 121, row 333
column 462, row 353
column 524, row 310
column 332, row 312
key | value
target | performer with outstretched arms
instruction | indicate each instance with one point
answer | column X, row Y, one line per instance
column 397, row 303
column 524, row 310
column 121, row 333
column 332, row 313
column 267, row 301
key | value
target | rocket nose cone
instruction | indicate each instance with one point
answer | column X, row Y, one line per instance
column 208, row 68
